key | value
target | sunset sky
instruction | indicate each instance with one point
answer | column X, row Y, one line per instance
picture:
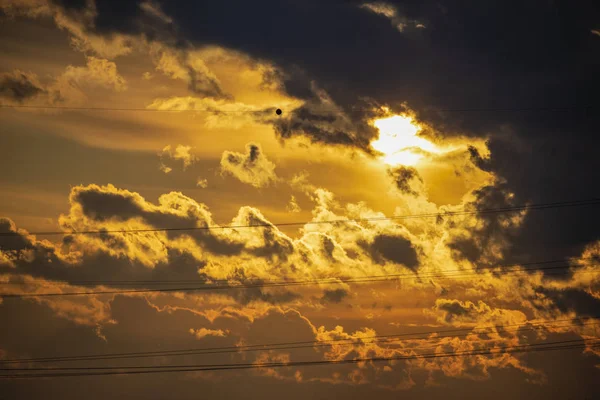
column 419, row 221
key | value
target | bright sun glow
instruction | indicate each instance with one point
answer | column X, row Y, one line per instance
column 398, row 141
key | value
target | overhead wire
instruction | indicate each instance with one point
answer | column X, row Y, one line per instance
column 538, row 206
column 329, row 281
column 547, row 346
column 372, row 339
column 263, row 281
column 136, row 367
column 136, row 109
column 214, row 110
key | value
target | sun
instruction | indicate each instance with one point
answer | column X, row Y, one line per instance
column 398, row 141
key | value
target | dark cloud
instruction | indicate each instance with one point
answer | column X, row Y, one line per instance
column 104, row 205
column 426, row 68
column 247, row 296
column 545, row 170
column 572, row 300
column 482, row 163
column 328, row 246
column 205, row 85
column 394, row 248
column 403, row 176
column 115, row 15
column 275, row 246
column 42, row 260
column 19, row 86
column 75, row 5
column 477, row 242
column 333, row 296
column 453, row 308
column 13, row 241
column 324, row 125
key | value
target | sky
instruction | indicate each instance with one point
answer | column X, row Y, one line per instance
column 457, row 142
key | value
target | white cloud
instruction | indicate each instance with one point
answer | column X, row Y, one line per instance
column 252, row 168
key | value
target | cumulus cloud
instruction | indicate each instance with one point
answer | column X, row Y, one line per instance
column 252, row 168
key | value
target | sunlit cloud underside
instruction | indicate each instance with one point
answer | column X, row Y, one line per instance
column 399, row 143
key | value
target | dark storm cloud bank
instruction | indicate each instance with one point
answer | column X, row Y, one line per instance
column 572, row 300
column 543, row 170
column 469, row 56
column 504, row 54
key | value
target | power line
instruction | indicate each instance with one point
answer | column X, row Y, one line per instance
column 135, row 367
column 136, row 109
column 538, row 206
column 226, row 281
column 374, row 339
column 329, row 281
column 548, row 346
column 75, row 108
